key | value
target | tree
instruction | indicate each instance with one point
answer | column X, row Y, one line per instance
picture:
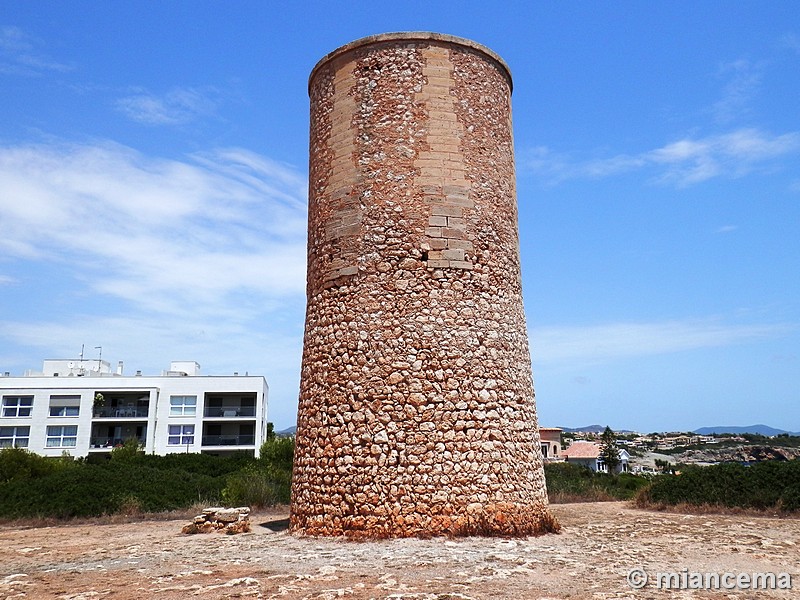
column 664, row 465
column 609, row 453
column 129, row 450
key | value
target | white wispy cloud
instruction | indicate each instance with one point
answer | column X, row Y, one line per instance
column 597, row 343
column 195, row 259
column 23, row 54
column 175, row 107
column 7, row 280
column 743, row 83
column 727, row 229
column 683, row 162
column 164, row 235
column 791, row 41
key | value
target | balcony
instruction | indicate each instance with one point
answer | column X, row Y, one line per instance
column 121, row 405
column 229, row 433
column 230, row 405
column 227, row 412
column 107, row 443
column 229, row 440
column 120, row 412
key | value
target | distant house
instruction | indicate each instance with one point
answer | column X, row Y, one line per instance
column 587, row 454
column 550, row 438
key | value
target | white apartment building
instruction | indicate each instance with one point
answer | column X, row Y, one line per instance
column 83, row 407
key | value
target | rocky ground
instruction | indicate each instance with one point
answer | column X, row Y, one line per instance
column 711, row 454
column 744, row 453
column 599, row 545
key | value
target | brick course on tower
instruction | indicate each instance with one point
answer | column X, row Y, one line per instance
column 417, row 413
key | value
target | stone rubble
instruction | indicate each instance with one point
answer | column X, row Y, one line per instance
column 216, row 518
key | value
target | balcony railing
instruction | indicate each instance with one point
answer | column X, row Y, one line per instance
column 109, row 442
column 229, row 440
column 229, row 411
column 120, row 412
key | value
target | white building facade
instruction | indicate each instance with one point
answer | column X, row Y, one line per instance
column 82, row 407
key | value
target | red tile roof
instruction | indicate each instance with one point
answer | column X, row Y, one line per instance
column 582, row 450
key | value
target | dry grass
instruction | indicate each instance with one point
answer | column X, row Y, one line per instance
column 712, row 509
column 592, row 495
column 115, row 519
column 130, row 513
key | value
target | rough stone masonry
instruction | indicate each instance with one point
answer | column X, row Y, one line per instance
column 417, row 413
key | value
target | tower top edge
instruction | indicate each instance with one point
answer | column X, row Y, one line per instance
column 413, row 36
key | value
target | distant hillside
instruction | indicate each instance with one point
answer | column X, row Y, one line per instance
column 587, row 429
column 756, row 429
column 592, row 429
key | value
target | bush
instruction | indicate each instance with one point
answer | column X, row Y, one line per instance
column 268, row 481
column 128, row 481
column 129, row 451
column 203, row 464
column 573, row 483
column 256, row 486
column 764, row 485
column 93, row 490
column 278, row 453
column 18, row 464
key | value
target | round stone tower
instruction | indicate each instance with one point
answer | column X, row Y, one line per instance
column 417, row 413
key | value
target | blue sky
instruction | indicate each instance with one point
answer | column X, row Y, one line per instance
column 153, row 162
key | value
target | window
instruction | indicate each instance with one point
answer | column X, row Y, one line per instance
column 182, row 406
column 65, row 406
column 65, row 411
column 17, row 406
column 14, row 437
column 181, row 435
column 62, row 436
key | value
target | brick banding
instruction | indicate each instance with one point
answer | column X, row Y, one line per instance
column 417, row 413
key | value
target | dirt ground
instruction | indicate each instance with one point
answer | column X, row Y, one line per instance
column 599, row 545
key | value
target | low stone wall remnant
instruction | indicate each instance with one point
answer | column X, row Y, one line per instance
column 215, row 518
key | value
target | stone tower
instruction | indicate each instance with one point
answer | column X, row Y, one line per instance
column 417, row 413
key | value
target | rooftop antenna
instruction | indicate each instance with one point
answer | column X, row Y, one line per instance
column 99, row 358
column 80, row 368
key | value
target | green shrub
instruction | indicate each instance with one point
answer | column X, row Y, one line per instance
column 204, row 464
column 256, row 486
column 18, row 464
column 278, row 453
column 129, row 451
column 131, row 482
column 572, row 483
column 91, row 490
column 765, row 485
column 266, row 482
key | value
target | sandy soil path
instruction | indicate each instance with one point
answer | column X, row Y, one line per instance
column 600, row 544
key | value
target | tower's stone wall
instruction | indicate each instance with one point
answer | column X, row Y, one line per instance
column 417, row 412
